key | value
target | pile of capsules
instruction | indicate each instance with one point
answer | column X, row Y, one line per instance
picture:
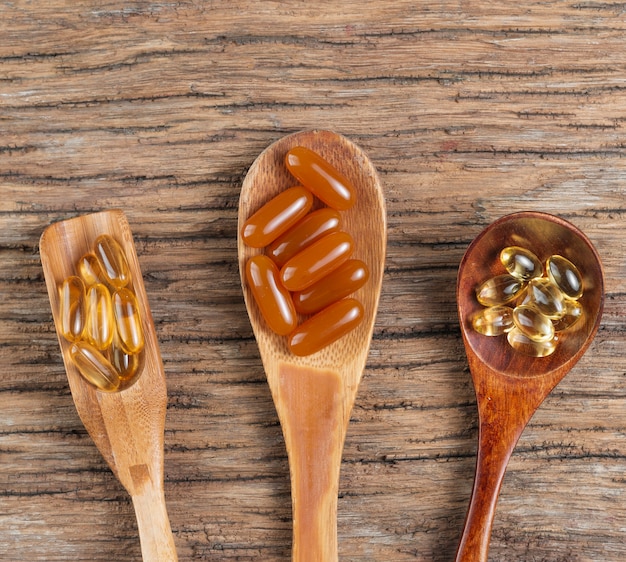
column 307, row 268
column 531, row 304
column 99, row 315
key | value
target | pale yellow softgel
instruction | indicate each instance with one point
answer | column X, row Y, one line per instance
column 531, row 307
column 521, row 263
column 499, row 290
column 522, row 343
column 533, row 324
column 493, row 321
column 565, row 275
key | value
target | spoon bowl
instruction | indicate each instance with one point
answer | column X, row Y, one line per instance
column 509, row 385
column 314, row 394
column 127, row 426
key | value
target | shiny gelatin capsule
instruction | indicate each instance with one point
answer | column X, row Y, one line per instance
column 499, row 290
column 546, row 297
column 89, row 269
column 94, row 366
column 573, row 314
column 326, row 327
column 493, row 320
column 273, row 300
column 533, row 324
column 126, row 364
column 276, row 217
column 311, row 228
column 317, row 260
column 112, row 261
column 522, row 343
column 72, row 308
column 128, row 321
column 520, row 262
column 100, row 325
column 343, row 281
column 323, row 179
column 565, row 275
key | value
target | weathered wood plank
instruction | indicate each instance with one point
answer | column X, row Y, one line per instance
column 470, row 110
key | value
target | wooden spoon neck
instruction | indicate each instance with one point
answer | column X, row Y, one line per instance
column 157, row 541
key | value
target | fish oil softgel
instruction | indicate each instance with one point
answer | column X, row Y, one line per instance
column 307, row 271
column 533, row 304
column 99, row 314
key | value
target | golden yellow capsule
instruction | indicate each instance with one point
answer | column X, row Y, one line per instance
column 493, row 321
column 72, row 308
column 520, row 262
column 573, row 313
column 112, row 261
column 565, row 275
column 522, row 343
column 128, row 321
column 126, row 364
column 89, row 270
column 546, row 297
column 94, row 366
column 100, row 324
column 533, row 324
column 499, row 290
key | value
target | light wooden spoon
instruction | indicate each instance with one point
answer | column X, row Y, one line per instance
column 126, row 426
column 510, row 386
column 314, row 395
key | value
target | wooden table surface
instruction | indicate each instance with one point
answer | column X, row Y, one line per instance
column 469, row 110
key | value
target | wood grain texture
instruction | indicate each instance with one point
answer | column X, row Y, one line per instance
column 469, row 111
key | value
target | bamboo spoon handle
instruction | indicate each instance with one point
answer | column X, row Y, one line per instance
column 310, row 404
column 157, row 542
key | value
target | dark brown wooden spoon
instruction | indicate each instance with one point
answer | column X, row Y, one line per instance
column 510, row 386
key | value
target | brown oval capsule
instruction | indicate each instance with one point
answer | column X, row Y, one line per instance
column 276, row 217
column 310, row 229
column 323, row 179
column 326, row 327
column 343, row 281
column 316, row 261
column 273, row 300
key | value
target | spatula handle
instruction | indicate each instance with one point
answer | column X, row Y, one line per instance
column 157, row 542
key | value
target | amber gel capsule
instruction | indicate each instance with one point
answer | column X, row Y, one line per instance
column 126, row 364
column 100, row 325
column 276, row 217
column 273, row 300
column 128, row 321
column 112, row 261
column 89, row 270
column 325, row 181
column 326, row 327
column 340, row 283
column 308, row 230
column 72, row 308
column 94, row 366
column 317, row 260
